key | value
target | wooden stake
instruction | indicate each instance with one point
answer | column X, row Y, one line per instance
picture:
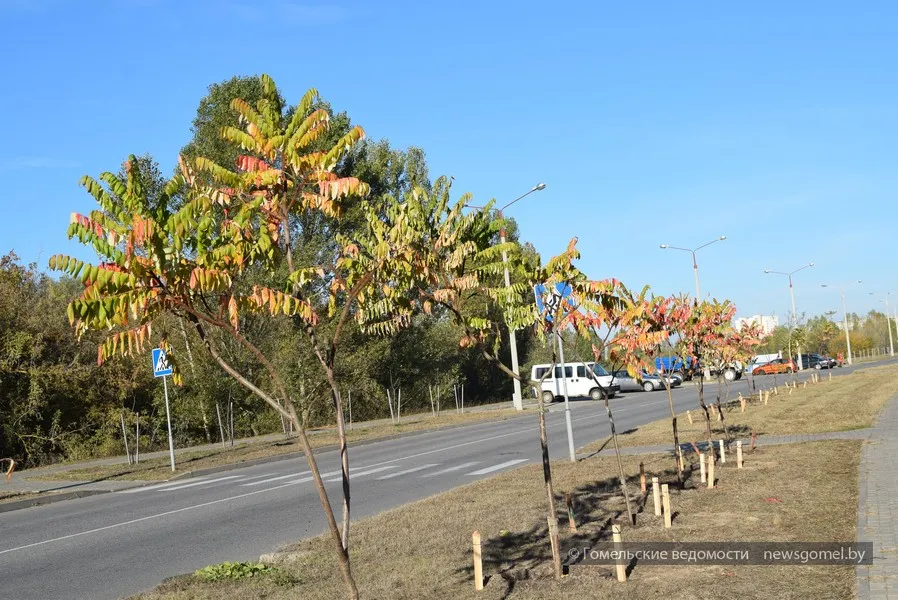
column 742, row 403
column 830, row 375
column 619, row 565
column 790, row 391
column 719, row 414
column 478, row 562
column 553, row 539
column 776, row 390
column 689, row 416
column 767, row 397
column 739, row 454
column 656, row 496
column 681, row 459
column 805, row 385
column 754, row 437
column 701, row 467
column 711, row 472
column 665, row 498
column 571, row 523
column 723, row 452
column 642, row 477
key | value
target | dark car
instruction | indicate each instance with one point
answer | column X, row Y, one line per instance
column 816, row 361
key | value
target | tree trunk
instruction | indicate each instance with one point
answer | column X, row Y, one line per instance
column 676, row 434
column 342, row 552
column 620, row 464
column 344, row 467
column 550, row 494
column 706, row 412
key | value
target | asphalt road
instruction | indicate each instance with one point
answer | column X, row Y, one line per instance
column 121, row 543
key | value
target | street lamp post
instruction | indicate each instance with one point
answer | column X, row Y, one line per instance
column 698, row 291
column 844, row 315
column 792, row 295
column 888, row 321
column 517, row 398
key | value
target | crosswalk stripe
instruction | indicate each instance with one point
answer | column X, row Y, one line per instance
column 258, row 476
column 497, row 467
column 360, row 473
column 407, row 471
column 451, row 469
column 310, row 478
column 273, row 479
column 158, row 486
column 205, row 482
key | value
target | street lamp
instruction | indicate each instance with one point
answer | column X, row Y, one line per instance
column 888, row 320
column 842, row 287
column 792, row 294
column 517, row 398
column 698, row 293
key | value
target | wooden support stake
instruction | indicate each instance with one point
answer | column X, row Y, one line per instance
column 681, row 459
column 754, row 437
column 478, row 562
column 739, row 454
column 830, row 375
column 719, row 414
column 571, row 523
column 711, row 472
column 790, row 391
column 767, row 397
column 619, row 565
column 805, row 385
column 689, row 416
column 723, row 452
column 656, row 496
column 776, row 390
column 742, row 403
column 642, row 477
column 665, row 498
column 701, row 467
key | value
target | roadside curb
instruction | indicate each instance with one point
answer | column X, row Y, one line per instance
column 39, row 500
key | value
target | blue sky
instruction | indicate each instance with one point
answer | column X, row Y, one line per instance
column 772, row 123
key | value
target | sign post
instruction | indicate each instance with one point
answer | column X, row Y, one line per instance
column 548, row 301
column 162, row 368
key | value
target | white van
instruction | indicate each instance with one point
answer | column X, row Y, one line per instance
column 579, row 382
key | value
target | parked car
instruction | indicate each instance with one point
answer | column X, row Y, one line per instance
column 646, row 382
column 816, row 361
column 579, row 382
column 777, row 365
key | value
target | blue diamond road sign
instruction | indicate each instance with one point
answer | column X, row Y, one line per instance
column 161, row 366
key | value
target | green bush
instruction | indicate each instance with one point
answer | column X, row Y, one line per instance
column 233, row 570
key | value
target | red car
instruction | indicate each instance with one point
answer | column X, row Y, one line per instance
column 777, row 365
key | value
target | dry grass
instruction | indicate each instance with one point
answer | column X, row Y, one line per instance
column 423, row 550
column 155, row 469
column 845, row 403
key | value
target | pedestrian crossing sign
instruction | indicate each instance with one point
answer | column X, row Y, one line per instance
column 161, row 366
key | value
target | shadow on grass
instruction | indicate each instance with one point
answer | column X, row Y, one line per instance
column 526, row 553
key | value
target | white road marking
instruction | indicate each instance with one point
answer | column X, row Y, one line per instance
column 204, row 482
column 407, row 471
column 158, row 486
column 273, row 479
column 498, row 467
column 310, row 478
column 354, row 474
column 258, row 476
column 451, row 469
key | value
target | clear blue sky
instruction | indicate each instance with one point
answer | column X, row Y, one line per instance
column 773, row 123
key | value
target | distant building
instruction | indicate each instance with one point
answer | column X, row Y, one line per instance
column 767, row 323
